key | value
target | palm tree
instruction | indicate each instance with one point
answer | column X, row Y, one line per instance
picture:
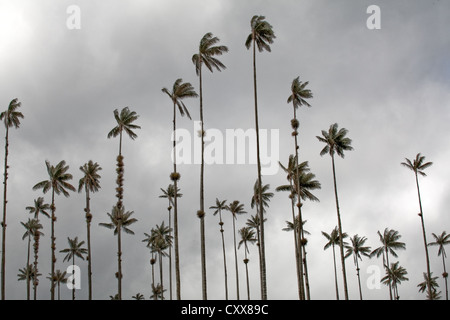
column 261, row 36
column 32, row 227
column 91, row 183
column 333, row 240
column 206, row 52
column 394, row 276
column 441, row 241
column 180, row 91
column 138, row 296
column 430, row 282
column 236, row 208
column 169, row 193
column 28, row 273
column 120, row 220
column 221, row 205
column 390, row 240
column 124, row 123
column 157, row 292
column 58, row 278
column 39, row 207
column 418, row 166
column 337, row 142
column 357, row 248
column 74, row 250
column 247, row 236
column 58, row 183
column 11, row 118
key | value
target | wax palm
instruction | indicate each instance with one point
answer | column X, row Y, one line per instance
column 219, row 207
column 125, row 120
column 120, row 221
column 418, row 165
column 75, row 249
column 261, row 36
column 91, row 183
column 180, row 91
column 138, row 296
column 28, row 273
column 390, row 243
column 38, row 207
column 11, row 118
column 58, row 278
column 265, row 196
column 236, row 208
column 357, row 249
column 394, row 276
column 333, row 240
column 169, row 194
column 336, row 142
column 58, row 183
column 430, row 284
column 32, row 227
column 247, row 236
column 441, row 241
column 206, row 55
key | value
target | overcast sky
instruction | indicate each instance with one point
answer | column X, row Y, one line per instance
column 388, row 87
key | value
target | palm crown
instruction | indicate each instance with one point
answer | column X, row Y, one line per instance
column 58, row 178
column 124, row 123
column 299, row 93
column 11, row 116
column 74, row 250
column 262, row 34
column 206, row 52
column 179, row 92
column 119, row 219
column 336, row 141
column 417, row 165
column 91, row 178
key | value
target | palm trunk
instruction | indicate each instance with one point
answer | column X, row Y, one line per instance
column 308, row 296
column 297, row 256
column 73, row 277
column 224, row 256
column 341, row 245
column 161, row 274
column 28, row 267
column 4, row 213
column 170, row 253
column 175, row 218
column 202, row 201
column 152, row 262
column 387, row 270
column 88, row 225
column 359, row 279
column 335, row 273
column 424, row 240
column 445, row 276
column 235, row 259
column 261, row 211
column 246, row 271
column 53, row 246
column 119, row 261
column 36, row 250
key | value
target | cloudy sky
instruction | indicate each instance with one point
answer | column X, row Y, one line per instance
column 388, row 87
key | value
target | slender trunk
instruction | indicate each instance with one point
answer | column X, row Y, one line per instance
column 424, row 240
column 224, row 256
column 119, row 261
column 445, row 276
column 161, row 274
column 36, row 249
column 88, row 226
column 308, row 296
column 59, row 289
column 28, row 267
column 359, row 279
column 170, row 253
column 335, row 273
column 152, row 262
column 202, row 201
column 246, row 260
column 235, row 258
column 175, row 217
column 341, row 245
column 387, row 271
column 53, row 246
column 73, row 276
column 5, row 175
column 297, row 256
column 261, row 210
column 300, row 253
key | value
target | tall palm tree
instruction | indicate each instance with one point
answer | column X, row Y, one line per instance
column 39, row 207
column 58, row 183
column 11, row 118
column 390, row 242
column 418, row 165
column 441, row 241
column 357, row 248
column 247, row 236
column 120, row 220
column 124, row 123
column 337, row 142
column 236, row 208
column 75, row 249
column 138, row 296
column 169, row 194
column 180, row 91
column 206, row 52
column 91, row 183
column 430, row 282
column 58, row 278
column 261, row 36
column 394, row 276
column 28, row 273
column 149, row 240
column 221, row 205
column 32, row 227
column 333, row 240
